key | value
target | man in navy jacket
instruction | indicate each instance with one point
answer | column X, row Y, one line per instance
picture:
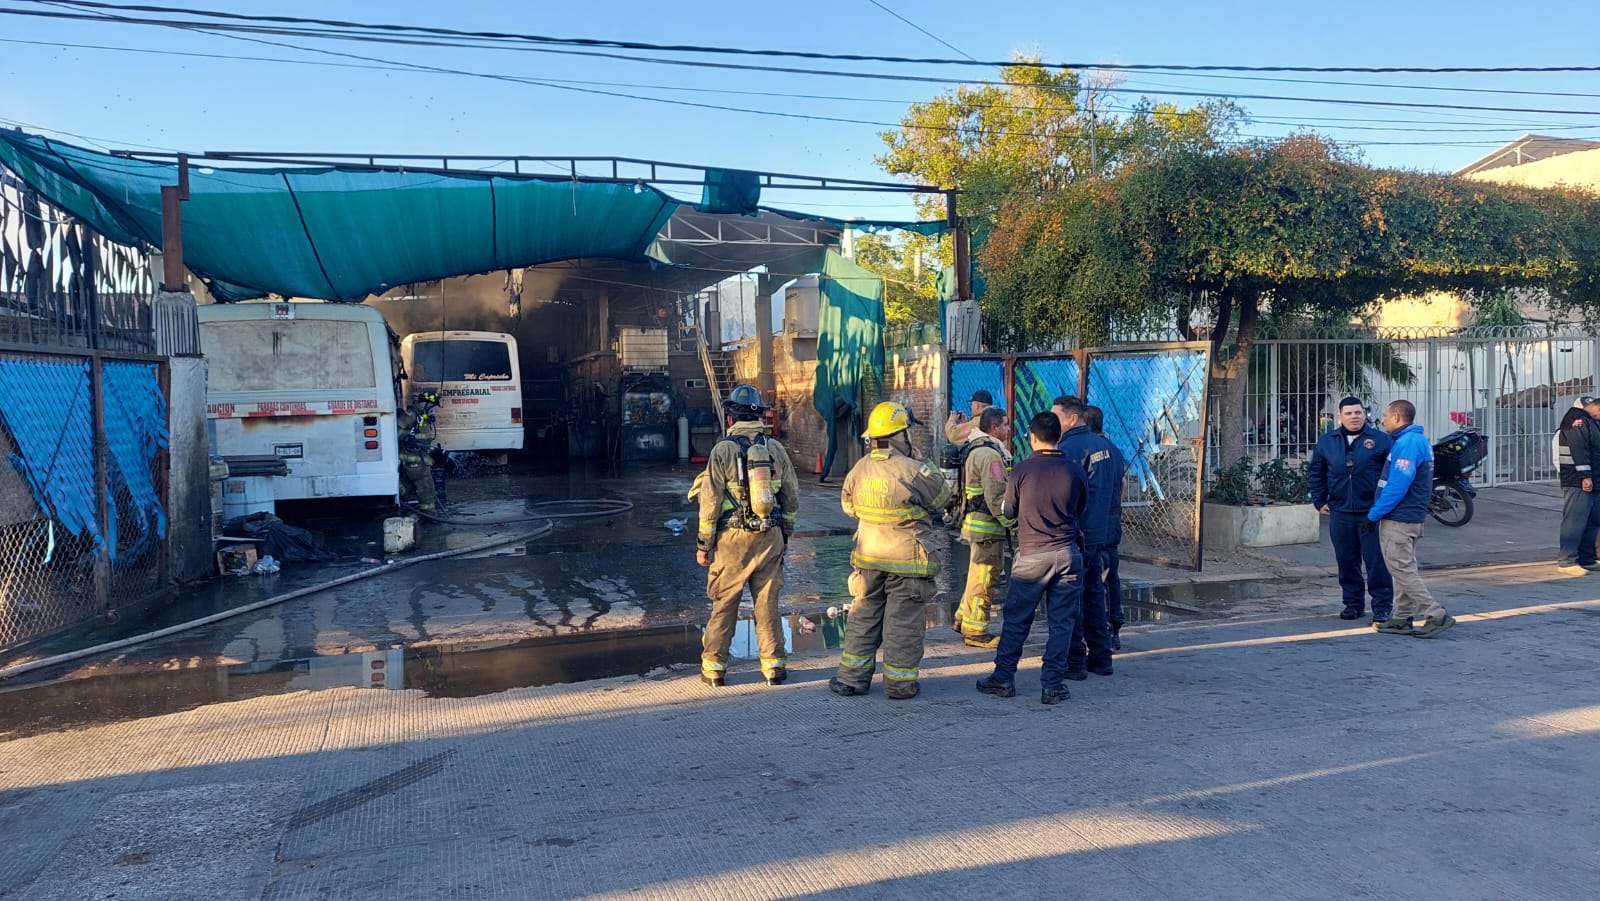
column 1091, row 641
column 1404, row 490
column 1344, row 479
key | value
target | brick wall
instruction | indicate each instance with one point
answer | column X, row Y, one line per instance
column 914, row 376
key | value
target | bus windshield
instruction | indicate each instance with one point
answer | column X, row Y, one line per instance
column 461, row 361
column 307, row 354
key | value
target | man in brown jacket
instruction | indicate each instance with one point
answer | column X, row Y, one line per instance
column 893, row 494
column 748, row 498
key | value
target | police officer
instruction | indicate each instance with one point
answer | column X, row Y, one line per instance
column 415, row 425
column 1096, row 420
column 1343, row 478
column 984, row 486
column 749, row 498
column 893, row 494
column 1091, row 641
column 1577, row 452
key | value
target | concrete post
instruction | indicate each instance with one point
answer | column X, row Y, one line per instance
column 766, row 381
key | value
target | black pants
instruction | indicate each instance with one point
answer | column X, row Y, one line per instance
column 1091, row 640
column 1355, row 547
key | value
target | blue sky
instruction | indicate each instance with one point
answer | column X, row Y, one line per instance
column 167, row 101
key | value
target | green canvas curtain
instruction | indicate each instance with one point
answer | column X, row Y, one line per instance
column 849, row 341
column 341, row 234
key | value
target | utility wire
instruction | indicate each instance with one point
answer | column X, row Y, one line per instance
column 1302, row 120
column 217, row 29
column 925, row 31
column 797, row 54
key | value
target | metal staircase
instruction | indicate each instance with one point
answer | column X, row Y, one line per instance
column 719, row 372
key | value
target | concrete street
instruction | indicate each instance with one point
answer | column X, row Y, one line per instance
column 1266, row 751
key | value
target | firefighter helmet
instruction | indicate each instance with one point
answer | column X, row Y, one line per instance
column 430, row 398
column 888, row 418
column 744, row 399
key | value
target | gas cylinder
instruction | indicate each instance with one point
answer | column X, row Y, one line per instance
column 759, row 470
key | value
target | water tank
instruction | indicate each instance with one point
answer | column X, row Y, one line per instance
column 802, row 305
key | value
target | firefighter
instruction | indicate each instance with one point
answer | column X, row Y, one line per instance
column 984, row 486
column 748, row 497
column 415, row 425
column 893, row 494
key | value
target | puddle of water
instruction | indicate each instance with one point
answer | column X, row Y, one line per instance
column 442, row 671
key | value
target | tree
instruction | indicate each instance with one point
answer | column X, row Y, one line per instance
column 908, row 264
column 1286, row 229
column 1029, row 136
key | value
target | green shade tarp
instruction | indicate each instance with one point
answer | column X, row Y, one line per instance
column 731, row 191
column 341, row 234
column 849, row 341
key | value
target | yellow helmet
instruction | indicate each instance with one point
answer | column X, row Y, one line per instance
column 888, row 418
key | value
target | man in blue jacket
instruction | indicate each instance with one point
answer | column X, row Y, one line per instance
column 1091, row 642
column 1404, row 490
column 1344, row 479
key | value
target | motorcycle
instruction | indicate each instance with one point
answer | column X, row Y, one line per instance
column 1455, row 457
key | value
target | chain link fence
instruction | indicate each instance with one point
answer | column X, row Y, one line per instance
column 1154, row 401
column 82, row 489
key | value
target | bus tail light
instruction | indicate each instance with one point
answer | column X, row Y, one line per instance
column 516, row 415
column 371, row 433
column 372, row 445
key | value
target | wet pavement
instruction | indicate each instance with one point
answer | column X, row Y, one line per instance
column 595, row 597
column 1275, row 754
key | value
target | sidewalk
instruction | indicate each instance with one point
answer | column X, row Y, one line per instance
column 1514, row 524
column 1277, row 755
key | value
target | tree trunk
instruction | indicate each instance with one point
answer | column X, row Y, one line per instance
column 1233, row 378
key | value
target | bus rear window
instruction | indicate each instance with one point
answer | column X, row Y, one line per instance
column 302, row 354
column 461, row 361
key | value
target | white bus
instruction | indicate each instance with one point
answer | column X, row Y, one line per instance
column 313, row 383
column 479, row 386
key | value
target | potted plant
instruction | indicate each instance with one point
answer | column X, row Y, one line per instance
column 1259, row 506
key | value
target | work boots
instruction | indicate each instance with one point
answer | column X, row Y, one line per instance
column 713, row 680
column 992, row 685
column 985, row 640
column 777, row 676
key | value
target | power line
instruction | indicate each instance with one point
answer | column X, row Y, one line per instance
column 795, row 54
column 209, row 28
column 206, row 29
column 925, row 31
column 1301, row 120
column 216, row 29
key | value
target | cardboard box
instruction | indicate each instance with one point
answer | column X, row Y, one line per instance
column 236, row 559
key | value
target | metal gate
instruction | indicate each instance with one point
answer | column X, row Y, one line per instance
column 1154, row 400
column 1509, row 382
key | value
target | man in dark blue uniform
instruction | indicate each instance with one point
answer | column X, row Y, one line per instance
column 1344, row 479
column 1097, row 458
column 1096, row 418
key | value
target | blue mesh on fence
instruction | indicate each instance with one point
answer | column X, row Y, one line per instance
column 48, row 408
column 967, row 376
column 136, row 432
column 1037, row 384
column 1152, row 402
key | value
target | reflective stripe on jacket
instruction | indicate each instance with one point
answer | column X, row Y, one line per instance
column 1577, row 447
column 890, row 495
column 984, row 477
